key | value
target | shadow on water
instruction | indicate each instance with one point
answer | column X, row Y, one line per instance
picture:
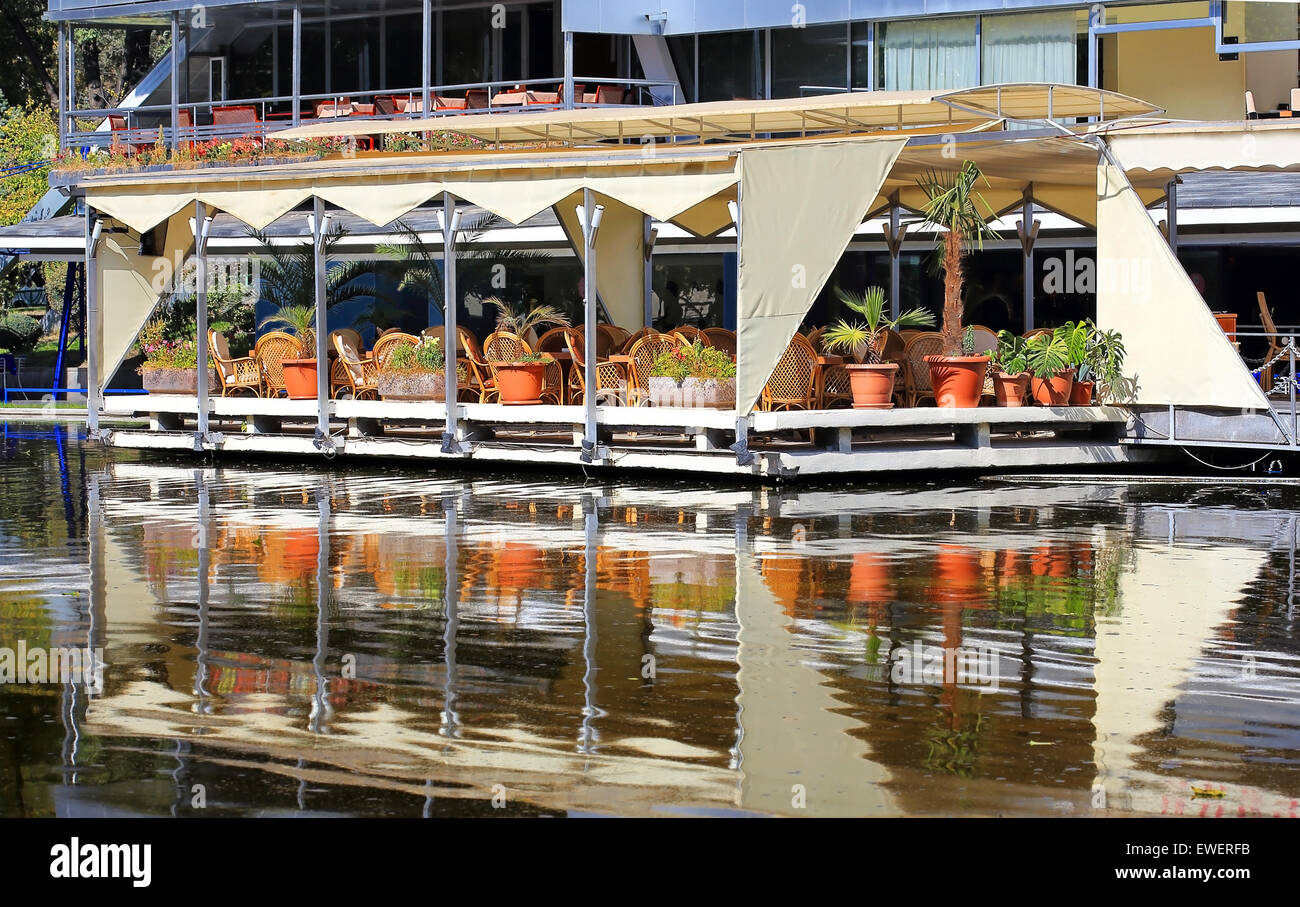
column 373, row 641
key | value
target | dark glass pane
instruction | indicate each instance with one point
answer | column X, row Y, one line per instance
column 861, row 75
column 313, row 58
column 541, row 42
column 731, row 66
column 249, row 73
column 807, row 61
column 682, row 50
column 354, row 55
column 595, row 56
column 405, row 52
column 466, row 46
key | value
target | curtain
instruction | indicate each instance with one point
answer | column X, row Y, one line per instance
column 930, row 54
column 1030, row 47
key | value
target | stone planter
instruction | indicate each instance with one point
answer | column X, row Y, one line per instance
column 176, row 380
column 712, row 393
column 412, row 386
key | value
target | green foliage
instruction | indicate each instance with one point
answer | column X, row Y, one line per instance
column 161, row 351
column 863, row 339
column 519, row 321
column 299, row 320
column 19, row 333
column 28, row 135
column 693, row 361
column 425, row 356
column 968, row 342
column 1010, row 356
column 1066, row 347
column 1104, row 364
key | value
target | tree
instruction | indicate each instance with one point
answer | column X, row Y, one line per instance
column 29, row 72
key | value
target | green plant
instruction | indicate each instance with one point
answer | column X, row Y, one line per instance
column 1105, row 364
column 1010, row 356
column 1065, row 347
column 953, row 206
column 299, row 320
column 693, row 361
column 968, row 342
column 425, row 356
column 162, row 352
column 19, row 333
column 864, row 339
column 519, row 321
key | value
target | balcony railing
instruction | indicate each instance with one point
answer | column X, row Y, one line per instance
column 258, row 118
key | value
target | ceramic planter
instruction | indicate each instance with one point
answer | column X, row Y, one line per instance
column 958, row 381
column 177, row 380
column 412, row 385
column 299, row 378
column 873, row 385
column 520, row 383
column 1011, row 390
column 1081, row 393
column 713, row 393
column 1054, row 391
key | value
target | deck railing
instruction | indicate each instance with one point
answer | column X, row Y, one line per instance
column 257, row 118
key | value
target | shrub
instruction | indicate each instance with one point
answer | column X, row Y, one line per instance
column 161, row 352
column 425, row 356
column 19, row 333
column 693, row 361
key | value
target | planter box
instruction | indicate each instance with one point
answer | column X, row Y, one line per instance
column 177, row 380
column 711, row 393
column 412, row 385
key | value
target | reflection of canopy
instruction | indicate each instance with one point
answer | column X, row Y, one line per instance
column 802, row 198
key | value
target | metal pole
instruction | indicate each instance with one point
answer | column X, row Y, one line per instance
column 589, row 708
column 451, row 580
column 589, row 325
column 72, row 69
column 741, row 447
column 1171, row 203
column 176, row 80
column 647, row 289
column 201, row 224
column 895, row 267
column 322, row 323
column 92, row 341
column 568, row 70
column 451, row 382
column 1028, row 230
column 296, row 88
column 426, row 59
column 64, row 99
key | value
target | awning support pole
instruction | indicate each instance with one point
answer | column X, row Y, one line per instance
column 319, row 265
column 202, row 224
column 1171, row 203
column 894, row 233
column 648, row 237
column 741, row 447
column 1027, row 231
column 297, row 64
column 94, row 397
column 568, row 70
column 426, row 57
column 176, row 82
column 66, row 100
column 590, row 223
column 450, row 221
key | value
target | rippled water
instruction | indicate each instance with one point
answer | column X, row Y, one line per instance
column 285, row 639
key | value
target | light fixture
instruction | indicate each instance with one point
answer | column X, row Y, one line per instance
column 734, row 210
column 455, row 219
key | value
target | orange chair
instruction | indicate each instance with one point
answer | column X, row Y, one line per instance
column 238, row 375
column 722, row 339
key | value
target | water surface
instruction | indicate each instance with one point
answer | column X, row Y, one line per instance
column 286, row 639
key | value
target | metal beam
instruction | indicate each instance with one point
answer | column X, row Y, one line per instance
column 648, row 237
column 426, row 58
column 568, row 70
column 176, row 81
column 894, row 233
column 296, row 64
column 202, row 224
column 319, row 266
column 1171, row 203
column 64, row 104
column 1027, row 231
column 450, row 225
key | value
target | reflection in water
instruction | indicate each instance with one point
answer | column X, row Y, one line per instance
column 371, row 641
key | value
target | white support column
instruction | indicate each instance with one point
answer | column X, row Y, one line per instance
column 94, row 395
column 65, row 101
column 741, row 447
column 1027, row 231
column 649, row 235
column 568, row 70
column 296, row 64
column 319, row 266
column 202, row 224
column 894, row 233
column 1171, row 205
column 426, row 55
column 176, row 81
column 450, row 220
column 589, row 214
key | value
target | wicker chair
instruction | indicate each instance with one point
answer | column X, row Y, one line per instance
column 690, row 334
column 270, row 351
column 1275, row 344
column 390, row 341
column 634, row 337
column 552, row 341
column 1037, row 332
column 916, row 371
column 238, row 375
column 643, row 354
column 339, row 379
column 362, row 374
column 610, row 384
column 985, row 338
column 835, row 390
column 481, row 384
column 722, row 339
column 793, row 384
column 617, row 335
column 815, row 340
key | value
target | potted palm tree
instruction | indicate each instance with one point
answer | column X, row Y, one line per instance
column 871, row 379
column 1010, row 370
column 300, row 373
column 520, row 381
column 953, row 208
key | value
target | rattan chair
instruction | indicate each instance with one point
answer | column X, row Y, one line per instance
column 270, row 351
column 985, row 339
column 793, row 384
column 722, row 339
column 643, row 354
column 385, row 345
column 238, row 374
column 552, row 341
column 836, row 390
column 611, row 387
column 617, row 335
column 339, row 379
column 1037, row 332
column 362, row 375
column 815, row 340
column 634, row 337
column 481, row 384
column 690, row 334
column 1275, row 344
column 916, row 371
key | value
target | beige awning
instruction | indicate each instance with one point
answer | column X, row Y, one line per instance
column 620, row 256
column 1172, row 148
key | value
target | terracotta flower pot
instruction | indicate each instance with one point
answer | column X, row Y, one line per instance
column 1011, row 390
column 958, row 381
column 873, row 385
column 520, row 382
column 1054, row 391
column 1081, row 393
column 299, row 378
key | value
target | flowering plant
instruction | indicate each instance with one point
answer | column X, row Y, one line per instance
column 693, row 361
column 425, row 356
column 160, row 352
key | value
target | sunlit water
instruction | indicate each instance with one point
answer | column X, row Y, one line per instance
column 285, row 639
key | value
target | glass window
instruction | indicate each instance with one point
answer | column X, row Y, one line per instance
column 405, row 52
column 929, row 54
column 810, row 60
column 861, row 75
column 354, row 55
column 731, row 66
column 1270, row 22
column 682, row 50
column 250, row 74
column 1030, row 47
column 541, row 42
column 466, row 46
column 313, row 58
